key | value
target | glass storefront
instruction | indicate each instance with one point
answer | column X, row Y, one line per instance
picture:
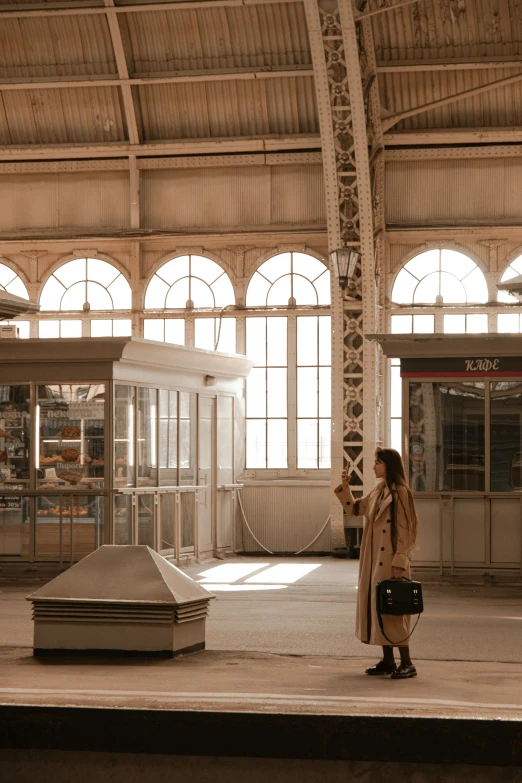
column 465, row 436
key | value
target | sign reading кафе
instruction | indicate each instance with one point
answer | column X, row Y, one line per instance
column 453, row 367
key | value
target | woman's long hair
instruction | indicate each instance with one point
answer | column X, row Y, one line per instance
column 395, row 474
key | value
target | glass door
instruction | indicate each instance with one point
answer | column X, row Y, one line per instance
column 206, row 533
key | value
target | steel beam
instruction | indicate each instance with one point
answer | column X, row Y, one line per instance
column 451, row 136
column 111, row 80
column 129, row 107
column 15, row 11
column 275, row 144
column 456, row 64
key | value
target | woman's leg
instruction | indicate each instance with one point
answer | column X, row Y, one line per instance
column 404, row 652
column 387, row 655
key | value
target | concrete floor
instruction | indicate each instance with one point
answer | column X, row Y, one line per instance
column 288, row 646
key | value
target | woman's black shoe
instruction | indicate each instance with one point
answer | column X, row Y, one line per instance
column 382, row 668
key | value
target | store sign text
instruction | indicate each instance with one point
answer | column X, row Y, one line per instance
column 482, row 365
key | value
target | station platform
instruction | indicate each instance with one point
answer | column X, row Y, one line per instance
column 280, row 693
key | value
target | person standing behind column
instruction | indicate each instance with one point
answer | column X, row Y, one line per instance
column 388, row 539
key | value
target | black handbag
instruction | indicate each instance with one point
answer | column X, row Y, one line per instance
column 399, row 597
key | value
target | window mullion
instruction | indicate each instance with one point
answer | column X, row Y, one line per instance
column 292, row 392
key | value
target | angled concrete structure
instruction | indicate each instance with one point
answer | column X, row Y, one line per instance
column 120, row 600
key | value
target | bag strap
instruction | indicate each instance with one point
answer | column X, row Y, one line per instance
column 381, row 624
column 395, row 644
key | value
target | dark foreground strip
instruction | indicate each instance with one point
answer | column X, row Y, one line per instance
column 325, row 737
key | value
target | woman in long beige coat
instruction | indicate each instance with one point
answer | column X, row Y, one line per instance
column 389, row 533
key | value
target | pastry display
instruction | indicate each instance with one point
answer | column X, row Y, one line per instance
column 70, row 433
column 68, row 475
column 70, row 455
column 3, row 456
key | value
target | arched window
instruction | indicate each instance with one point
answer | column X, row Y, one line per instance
column 289, row 278
column 440, row 276
column 11, row 282
column 288, row 396
column 86, row 281
column 194, row 279
column 513, row 270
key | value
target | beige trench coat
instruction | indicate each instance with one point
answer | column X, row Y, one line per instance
column 377, row 558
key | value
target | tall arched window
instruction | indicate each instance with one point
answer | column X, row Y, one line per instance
column 11, row 282
column 437, row 291
column 85, row 285
column 193, row 282
column 288, row 403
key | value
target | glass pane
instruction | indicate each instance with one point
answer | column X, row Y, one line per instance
column 201, row 294
column 401, row 324
column 429, row 288
column 174, row 270
column 307, row 340
column 304, row 292
column 223, row 291
column 154, row 329
column 205, row 333
column 87, row 527
column 508, row 322
column 187, row 438
column 205, row 268
column 146, row 446
column 15, row 436
column 51, row 296
column 53, row 529
column 70, row 329
column 71, row 272
column 48, row 329
column 256, row 393
column 276, row 443
column 101, row 328
column 156, row 294
column 424, row 264
column 124, row 408
column 325, row 339
column 276, row 342
column 121, row 294
column 71, row 424
column 280, row 292
column 256, row 339
column 14, row 525
column 276, row 392
column 476, row 323
column 167, row 501
column 257, row 291
column 175, row 331
column 256, row 443
column 506, row 436
column 101, row 272
column 325, row 434
column 396, row 391
column 456, row 263
column 404, row 287
column 276, row 266
column 307, row 443
column 122, row 327
column 307, row 392
column 123, row 520
column 452, row 289
column 178, row 295
column 476, row 286
column 168, row 438
column 225, row 440
column 447, row 447
column 75, row 297
column 145, row 511
column 325, row 392
column 227, row 336
column 17, row 288
column 188, row 515
column 98, row 298
column 322, row 286
column 455, row 324
column 396, row 435
column 307, row 265
column 7, row 275
column 423, row 324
